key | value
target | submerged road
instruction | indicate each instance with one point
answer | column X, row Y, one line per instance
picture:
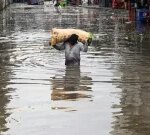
column 108, row 95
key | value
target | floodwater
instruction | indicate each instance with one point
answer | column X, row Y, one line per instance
column 108, row 95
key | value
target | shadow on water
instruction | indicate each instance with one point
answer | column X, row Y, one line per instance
column 71, row 87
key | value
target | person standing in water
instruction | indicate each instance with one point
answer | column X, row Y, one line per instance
column 72, row 49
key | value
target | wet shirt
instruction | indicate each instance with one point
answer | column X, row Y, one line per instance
column 72, row 53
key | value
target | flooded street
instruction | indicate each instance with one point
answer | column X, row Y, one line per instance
column 108, row 95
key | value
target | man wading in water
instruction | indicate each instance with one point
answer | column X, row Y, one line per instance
column 72, row 49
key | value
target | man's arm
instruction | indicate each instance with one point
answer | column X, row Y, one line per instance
column 83, row 47
column 60, row 46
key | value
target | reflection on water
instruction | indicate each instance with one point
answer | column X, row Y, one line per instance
column 134, row 106
column 4, row 100
column 72, row 86
column 5, row 67
column 133, row 117
column 5, row 73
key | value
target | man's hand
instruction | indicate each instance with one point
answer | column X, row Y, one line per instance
column 89, row 41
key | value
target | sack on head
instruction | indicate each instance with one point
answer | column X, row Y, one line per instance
column 60, row 35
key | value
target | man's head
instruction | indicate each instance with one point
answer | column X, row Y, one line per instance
column 73, row 39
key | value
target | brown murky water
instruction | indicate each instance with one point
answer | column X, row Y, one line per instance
column 108, row 94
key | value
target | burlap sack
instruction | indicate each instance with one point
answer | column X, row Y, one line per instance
column 60, row 35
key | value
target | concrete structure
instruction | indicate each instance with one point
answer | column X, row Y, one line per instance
column 4, row 3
